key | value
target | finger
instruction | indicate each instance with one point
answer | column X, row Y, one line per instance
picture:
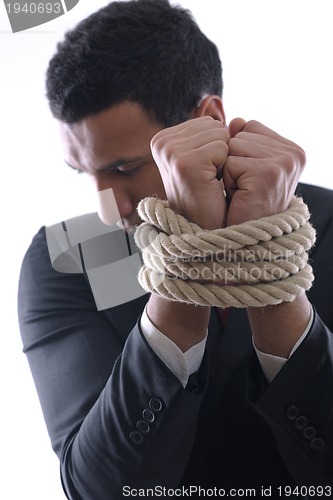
column 208, row 136
column 205, row 128
column 191, row 135
column 256, row 127
column 236, row 125
column 253, row 146
column 235, row 167
column 191, row 127
column 215, row 154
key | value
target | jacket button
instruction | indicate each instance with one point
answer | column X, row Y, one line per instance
column 300, row 423
column 309, row 433
column 143, row 426
column 136, row 437
column 155, row 404
column 148, row 415
column 292, row 412
column 317, row 444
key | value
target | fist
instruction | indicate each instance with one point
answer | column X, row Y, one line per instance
column 190, row 158
column 261, row 172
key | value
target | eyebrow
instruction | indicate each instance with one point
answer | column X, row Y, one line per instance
column 122, row 162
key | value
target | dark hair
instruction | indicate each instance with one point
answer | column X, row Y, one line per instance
column 145, row 51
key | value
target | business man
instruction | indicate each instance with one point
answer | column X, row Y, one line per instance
column 138, row 397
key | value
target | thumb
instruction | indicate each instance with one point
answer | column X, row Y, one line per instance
column 236, row 125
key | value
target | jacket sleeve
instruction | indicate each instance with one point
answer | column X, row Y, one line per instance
column 298, row 407
column 109, row 403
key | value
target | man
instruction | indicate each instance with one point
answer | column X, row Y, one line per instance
column 139, row 398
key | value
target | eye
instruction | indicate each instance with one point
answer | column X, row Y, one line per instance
column 76, row 170
column 128, row 170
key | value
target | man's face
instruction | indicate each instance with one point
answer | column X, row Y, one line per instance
column 113, row 148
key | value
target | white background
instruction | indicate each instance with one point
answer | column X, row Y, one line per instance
column 277, row 58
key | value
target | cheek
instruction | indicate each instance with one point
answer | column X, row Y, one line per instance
column 152, row 183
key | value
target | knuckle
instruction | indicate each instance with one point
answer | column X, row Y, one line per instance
column 182, row 164
column 275, row 171
column 155, row 139
column 206, row 118
column 158, row 141
column 232, row 143
column 161, row 147
column 301, row 156
column 288, row 161
column 251, row 126
column 294, row 159
column 225, row 148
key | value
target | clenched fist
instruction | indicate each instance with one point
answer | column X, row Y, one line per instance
column 190, row 158
column 261, row 171
column 201, row 159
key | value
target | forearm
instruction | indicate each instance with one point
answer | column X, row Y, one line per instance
column 141, row 406
column 300, row 391
column 276, row 329
column 186, row 325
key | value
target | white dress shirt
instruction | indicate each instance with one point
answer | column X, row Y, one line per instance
column 183, row 364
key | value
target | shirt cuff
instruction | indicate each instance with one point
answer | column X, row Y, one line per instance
column 182, row 364
column 271, row 365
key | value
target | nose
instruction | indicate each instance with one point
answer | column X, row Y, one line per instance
column 114, row 203
column 108, row 210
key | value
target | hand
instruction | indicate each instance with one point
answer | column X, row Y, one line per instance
column 260, row 176
column 190, row 157
column 261, row 172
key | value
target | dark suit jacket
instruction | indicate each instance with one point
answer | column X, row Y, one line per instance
column 118, row 417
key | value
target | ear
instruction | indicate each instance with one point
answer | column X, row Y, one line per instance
column 211, row 105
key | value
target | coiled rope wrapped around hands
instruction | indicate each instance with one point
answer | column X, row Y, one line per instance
column 257, row 263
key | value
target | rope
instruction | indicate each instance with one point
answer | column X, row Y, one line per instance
column 257, row 263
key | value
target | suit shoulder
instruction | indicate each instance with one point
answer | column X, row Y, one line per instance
column 42, row 288
column 36, row 261
column 318, row 199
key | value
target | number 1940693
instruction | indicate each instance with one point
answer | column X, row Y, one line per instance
column 34, row 8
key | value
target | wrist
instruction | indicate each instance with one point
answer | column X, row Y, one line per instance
column 276, row 329
column 186, row 325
